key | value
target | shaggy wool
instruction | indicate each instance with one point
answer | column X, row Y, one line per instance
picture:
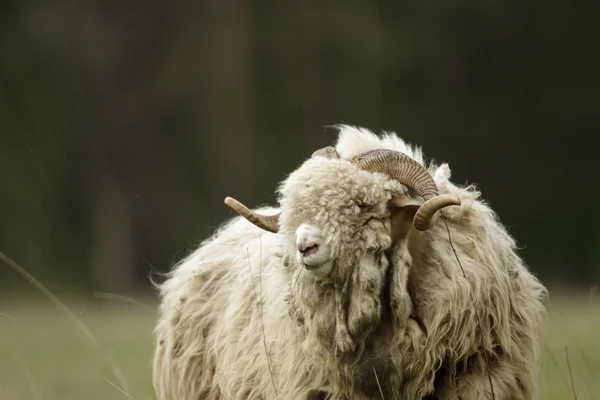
column 397, row 314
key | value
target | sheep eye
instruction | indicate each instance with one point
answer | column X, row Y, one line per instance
column 364, row 206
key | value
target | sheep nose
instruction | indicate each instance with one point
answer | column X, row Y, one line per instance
column 307, row 249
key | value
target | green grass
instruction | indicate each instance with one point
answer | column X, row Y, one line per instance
column 574, row 325
column 45, row 356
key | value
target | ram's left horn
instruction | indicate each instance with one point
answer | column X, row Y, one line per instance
column 267, row 222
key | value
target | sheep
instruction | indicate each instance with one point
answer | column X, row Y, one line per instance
column 351, row 289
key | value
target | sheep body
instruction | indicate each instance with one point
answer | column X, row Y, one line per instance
column 402, row 311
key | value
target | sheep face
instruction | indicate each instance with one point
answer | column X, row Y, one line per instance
column 336, row 226
column 333, row 214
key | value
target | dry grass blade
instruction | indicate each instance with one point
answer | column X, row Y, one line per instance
column 64, row 309
column 297, row 279
column 29, row 377
column 260, row 310
column 485, row 355
column 111, row 359
column 119, row 389
column 378, row 384
column 59, row 304
column 588, row 366
column 123, row 299
column 570, row 374
column 262, row 317
column 586, row 360
column 69, row 355
column 555, row 362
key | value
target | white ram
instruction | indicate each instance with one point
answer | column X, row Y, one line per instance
column 352, row 289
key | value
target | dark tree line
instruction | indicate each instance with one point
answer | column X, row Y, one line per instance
column 124, row 124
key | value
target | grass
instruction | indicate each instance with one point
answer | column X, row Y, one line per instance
column 572, row 324
column 45, row 356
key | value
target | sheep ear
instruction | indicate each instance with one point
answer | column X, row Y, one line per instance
column 402, row 209
column 404, row 202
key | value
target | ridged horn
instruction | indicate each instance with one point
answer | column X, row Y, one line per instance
column 267, row 222
column 424, row 216
column 327, row 152
column 407, row 171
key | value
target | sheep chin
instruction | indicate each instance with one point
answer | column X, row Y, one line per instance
column 321, row 271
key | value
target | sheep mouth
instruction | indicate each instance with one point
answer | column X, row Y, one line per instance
column 312, row 267
column 307, row 251
column 319, row 270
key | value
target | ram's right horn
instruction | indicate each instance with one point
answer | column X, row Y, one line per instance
column 407, row 171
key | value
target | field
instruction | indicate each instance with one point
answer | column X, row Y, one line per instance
column 45, row 355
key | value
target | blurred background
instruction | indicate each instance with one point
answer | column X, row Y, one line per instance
column 123, row 125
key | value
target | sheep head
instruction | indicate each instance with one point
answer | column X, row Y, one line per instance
column 337, row 220
column 395, row 165
column 418, row 195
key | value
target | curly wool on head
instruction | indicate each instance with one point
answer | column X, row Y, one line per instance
column 348, row 207
column 339, row 285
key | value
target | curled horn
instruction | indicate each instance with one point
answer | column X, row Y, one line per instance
column 267, row 222
column 407, row 171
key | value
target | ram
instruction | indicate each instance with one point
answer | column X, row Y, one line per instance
column 376, row 277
